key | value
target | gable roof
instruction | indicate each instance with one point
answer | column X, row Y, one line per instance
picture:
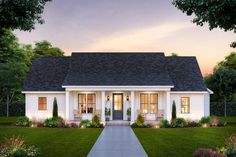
column 47, row 74
column 114, row 69
column 185, row 74
column 110, row 69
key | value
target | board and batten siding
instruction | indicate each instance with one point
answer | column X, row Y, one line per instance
column 31, row 105
column 199, row 105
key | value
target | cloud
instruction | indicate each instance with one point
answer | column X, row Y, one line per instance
column 137, row 39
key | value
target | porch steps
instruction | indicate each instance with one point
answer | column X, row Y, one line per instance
column 117, row 123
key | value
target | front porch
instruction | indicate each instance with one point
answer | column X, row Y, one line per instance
column 123, row 104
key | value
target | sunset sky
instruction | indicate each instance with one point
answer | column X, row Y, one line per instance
column 129, row 25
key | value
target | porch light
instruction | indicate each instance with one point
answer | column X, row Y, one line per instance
column 127, row 98
column 108, row 98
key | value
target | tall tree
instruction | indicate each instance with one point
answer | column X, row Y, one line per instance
column 21, row 14
column 45, row 48
column 13, row 68
column 173, row 118
column 220, row 13
column 222, row 82
column 55, row 108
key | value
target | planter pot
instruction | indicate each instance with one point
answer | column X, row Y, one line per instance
column 107, row 118
column 128, row 118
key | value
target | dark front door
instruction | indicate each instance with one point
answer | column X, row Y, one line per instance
column 118, row 106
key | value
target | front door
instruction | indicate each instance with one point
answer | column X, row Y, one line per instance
column 117, row 106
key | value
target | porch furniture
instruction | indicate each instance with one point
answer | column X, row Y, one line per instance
column 77, row 115
column 159, row 114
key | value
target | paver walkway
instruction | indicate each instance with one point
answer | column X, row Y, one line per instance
column 117, row 141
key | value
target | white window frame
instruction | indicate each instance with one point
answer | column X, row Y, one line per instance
column 86, row 102
column 149, row 102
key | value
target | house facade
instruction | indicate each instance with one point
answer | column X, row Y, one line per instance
column 85, row 84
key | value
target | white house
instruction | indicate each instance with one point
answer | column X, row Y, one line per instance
column 85, row 84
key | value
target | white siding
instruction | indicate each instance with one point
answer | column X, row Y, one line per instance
column 31, row 105
column 196, row 105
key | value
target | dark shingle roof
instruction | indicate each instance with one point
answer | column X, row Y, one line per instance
column 47, row 74
column 109, row 69
column 117, row 69
column 185, row 74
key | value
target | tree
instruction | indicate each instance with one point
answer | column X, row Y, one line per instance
column 216, row 13
column 229, row 61
column 222, row 82
column 173, row 118
column 13, row 69
column 55, row 109
column 23, row 14
column 174, row 54
column 45, row 48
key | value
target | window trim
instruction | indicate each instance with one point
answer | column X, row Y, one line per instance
column 46, row 104
column 86, row 103
column 149, row 102
column 185, row 105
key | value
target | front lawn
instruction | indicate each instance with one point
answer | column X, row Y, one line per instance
column 60, row 142
column 181, row 142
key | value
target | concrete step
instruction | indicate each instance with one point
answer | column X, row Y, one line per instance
column 118, row 123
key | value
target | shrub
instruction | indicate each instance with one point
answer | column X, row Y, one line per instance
column 85, row 123
column 221, row 123
column 136, row 125
column 16, row 147
column 55, row 109
column 129, row 112
column 73, row 125
column 23, row 121
column 164, row 123
column 54, row 122
column 180, row 122
column 173, row 111
column 96, row 122
column 205, row 120
column 193, row 124
column 230, row 146
column 214, row 120
column 107, row 111
column 140, row 120
column 207, row 152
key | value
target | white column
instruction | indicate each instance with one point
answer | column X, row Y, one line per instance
column 168, row 106
column 67, row 115
column 103, row 106
column 132, row 106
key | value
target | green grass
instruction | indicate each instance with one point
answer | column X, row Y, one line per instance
column 58, row 142
column 229, row 120
column 182, row 142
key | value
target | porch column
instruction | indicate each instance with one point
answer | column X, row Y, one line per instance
column 168, row 106
column 67, row 114
column 132, row 106
column 103, row 106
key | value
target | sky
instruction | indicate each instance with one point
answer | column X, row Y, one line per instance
column 127, row 26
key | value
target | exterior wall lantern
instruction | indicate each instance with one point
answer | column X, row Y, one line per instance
column 108, row 98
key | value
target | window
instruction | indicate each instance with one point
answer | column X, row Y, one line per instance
column 185, row 105
column 148, row 103
column 42, row 103
column 87, row 102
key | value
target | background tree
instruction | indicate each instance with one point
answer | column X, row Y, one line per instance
column 173, row 118
column 216, row 13
column 22, row 15
column 13, row 69
column 223, row 81
column 55, row 108
column 45, row 48
column 174, row 54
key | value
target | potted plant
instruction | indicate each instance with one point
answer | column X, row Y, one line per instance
column 107, row 113
column 129, row 114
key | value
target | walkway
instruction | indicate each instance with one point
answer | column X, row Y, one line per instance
column 117, row 141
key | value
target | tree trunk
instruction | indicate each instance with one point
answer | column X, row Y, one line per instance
column 7, row 106
column 225, row 106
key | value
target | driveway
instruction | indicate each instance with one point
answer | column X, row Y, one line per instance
column 117, row 141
